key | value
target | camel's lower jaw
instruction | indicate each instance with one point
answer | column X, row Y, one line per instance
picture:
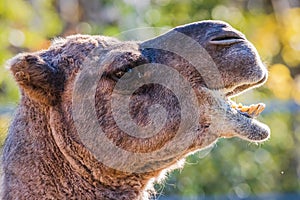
column 235, row 123
column 255, row 132
column 246, row 128
column 244, row 124
column 228, row 119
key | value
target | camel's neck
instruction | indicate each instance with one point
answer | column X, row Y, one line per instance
column 31, row 161
column 39, row 163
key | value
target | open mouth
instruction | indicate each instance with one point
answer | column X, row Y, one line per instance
column 251, row 111
column 241, row 118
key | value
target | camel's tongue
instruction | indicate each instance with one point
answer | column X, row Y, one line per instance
column 251, row 111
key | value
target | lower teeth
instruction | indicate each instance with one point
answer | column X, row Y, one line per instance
column 253, row 110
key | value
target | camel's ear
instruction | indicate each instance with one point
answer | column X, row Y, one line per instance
column 36, row 78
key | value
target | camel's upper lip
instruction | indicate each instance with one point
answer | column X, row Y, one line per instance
column 233, row 91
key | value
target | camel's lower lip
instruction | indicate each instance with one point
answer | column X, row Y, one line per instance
column 249, row 128
column 260, row 132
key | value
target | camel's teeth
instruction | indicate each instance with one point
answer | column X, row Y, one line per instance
column 260, row 108
column 253, row 110
column 256, row 109
column 244, row 109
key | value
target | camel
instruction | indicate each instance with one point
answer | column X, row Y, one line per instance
column 101, row 118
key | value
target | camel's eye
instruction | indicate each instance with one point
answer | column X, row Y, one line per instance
column 121, row 73
column 226, row 40
column 127, row 74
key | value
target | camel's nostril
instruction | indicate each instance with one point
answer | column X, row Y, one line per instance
column 226, row 40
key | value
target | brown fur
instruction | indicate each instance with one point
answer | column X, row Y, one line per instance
column 44, row 157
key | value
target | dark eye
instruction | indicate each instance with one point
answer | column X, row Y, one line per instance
column 127, row 74
column 121, row 73
column 226, row 40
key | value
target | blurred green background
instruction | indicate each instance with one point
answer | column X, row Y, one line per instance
column 233, row 167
